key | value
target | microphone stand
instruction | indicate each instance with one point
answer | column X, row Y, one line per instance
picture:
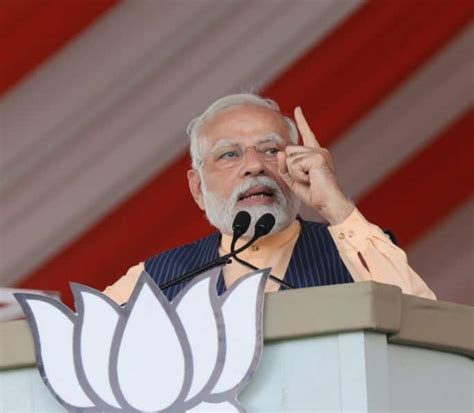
column 253, row 267
column 225, row 259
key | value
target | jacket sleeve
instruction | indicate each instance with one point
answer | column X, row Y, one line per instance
column 369, row 255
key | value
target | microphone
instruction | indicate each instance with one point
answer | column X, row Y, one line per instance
column 239, row 226
column 263, row 226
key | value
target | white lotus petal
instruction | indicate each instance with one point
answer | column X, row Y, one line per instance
column 55, row 335
column 242, row 317
column 150, row 364
column 97, row 330
column 214, row 407
column 195, row 309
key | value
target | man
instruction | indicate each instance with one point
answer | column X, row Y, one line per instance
column 246, row 156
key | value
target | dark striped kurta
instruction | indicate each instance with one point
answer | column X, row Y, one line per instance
column 315, row 260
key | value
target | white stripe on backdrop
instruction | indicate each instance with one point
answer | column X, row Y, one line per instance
column 449, row 271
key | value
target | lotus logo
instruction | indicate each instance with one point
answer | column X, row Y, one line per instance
column 194, row 354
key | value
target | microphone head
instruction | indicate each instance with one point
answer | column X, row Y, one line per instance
column 264, row 225
column 241, row 223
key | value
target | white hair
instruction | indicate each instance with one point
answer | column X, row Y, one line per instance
column 226, row 102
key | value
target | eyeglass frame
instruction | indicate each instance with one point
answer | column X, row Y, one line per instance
column 229, row 145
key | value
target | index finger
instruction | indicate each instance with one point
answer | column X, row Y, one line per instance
column 309, row 139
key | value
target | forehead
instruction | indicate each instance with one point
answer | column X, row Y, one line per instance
column 244, row 121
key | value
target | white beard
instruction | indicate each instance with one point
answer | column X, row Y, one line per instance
column 221, row 212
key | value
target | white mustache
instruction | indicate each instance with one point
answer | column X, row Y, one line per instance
column 255, row 182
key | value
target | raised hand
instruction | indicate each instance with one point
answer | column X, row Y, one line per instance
column 309, row 172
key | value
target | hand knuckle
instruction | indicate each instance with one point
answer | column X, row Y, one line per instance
column 319, row 157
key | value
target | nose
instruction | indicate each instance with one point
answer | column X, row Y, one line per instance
column 253, row 164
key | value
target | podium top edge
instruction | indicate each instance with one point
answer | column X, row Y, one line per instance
column 314, row 311
column 373, row 306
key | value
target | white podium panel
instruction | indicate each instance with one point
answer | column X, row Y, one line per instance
column 348, row 348
column 359, row 372
column 346, row 372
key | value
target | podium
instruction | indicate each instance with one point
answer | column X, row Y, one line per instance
column 363, row 347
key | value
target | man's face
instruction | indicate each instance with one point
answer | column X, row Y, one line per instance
column 238, row 148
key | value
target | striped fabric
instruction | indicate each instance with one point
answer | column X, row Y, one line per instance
column 315, row 261
column 94, row 154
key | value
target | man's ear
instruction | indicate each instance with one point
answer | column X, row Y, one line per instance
column 194, row 182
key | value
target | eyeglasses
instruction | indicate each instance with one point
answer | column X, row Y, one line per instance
column 229, row 154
